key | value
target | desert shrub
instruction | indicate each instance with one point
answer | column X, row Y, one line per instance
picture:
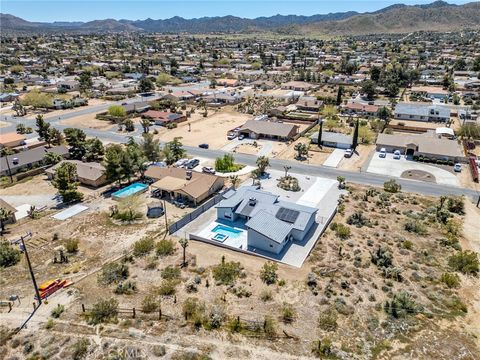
column 327, row 320
column 49, row 324
column 126, row 288
column 103, row 311
column 227, row 272
column 235, row 325
column 170, row 272
column 380, row 347
column 453, row 228
column 194, row 310
column 167, row 287
column 416, row 227
column 342, row 231
column 266, row 295
column 391, row 186
column 269, row 326
column 159, row 350
column 216, row 317
column 456, row 306
column 57, row 311
column 80, row 349
column 450, row 279
column 113, row 273
column 358, row 219
column 165, row 247
column 150, row 304
column 143, row 246
column 9, row 255
column 456, row 204
column 288, row 313
column 401, row 306
column 322, row 348
column 465, row 261
column 241, row 291
column 71, row 246
column 407, row 244
column 268, row 273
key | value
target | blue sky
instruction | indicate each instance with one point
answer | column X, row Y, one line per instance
column 86, row 10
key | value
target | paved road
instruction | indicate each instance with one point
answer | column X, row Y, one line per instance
column 277, row 164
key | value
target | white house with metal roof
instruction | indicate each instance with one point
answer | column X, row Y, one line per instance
column 271, row 223
column 422, row 112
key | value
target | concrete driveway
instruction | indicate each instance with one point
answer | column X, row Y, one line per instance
column 389, row 166
column 334, row 158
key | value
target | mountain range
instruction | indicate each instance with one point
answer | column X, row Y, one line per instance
column 398, row 18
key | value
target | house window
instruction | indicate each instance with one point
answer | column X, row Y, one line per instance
column 228, row 216
column 271, row 245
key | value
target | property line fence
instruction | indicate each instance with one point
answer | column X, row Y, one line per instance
column 195, row 213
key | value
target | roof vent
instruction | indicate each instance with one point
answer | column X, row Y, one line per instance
column 188, row 174
column 252, row 201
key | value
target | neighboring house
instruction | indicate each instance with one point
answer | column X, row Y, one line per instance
column 268, row 129
column 64, row 104
column 228, row 82
column 271, row 223
column 431, row 92
column 11, row 140
column 297, row 86
column 29, row 159
column 333, row 139
column 5, row 97
column 88, row 173
column 69, row 85
column 361, row 109
column 223, row 99
column 428, row 144
column 182, row 184
column 164, row 118
column 137, row 107
column 422, row 112
column 309, row 103
column 4, row 205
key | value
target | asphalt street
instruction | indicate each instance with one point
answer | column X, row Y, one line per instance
column 363, row 178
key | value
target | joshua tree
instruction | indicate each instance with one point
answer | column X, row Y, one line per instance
column 145, row 125
column 287, row 169
column 235, row 180
column 262, row 163
column 4, row 216
column 184, row 243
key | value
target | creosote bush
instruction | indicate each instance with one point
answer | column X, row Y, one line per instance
column 80, row 349
column 143, row 247
column 165, row 247
column 465, row 262
column 327, row 320
column 150, row 304
column 71, row 246
column 391, row 186
column 450, row 279
column 401, row 306
column 113, row 273
column 226, row 272
column 103, row 311
column 269, row 273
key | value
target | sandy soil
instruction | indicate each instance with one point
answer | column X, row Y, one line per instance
column 247, row 149
column 4, row 124
column 91, row 102
column 88, row 121
column 358, row 159
column 420, row 124
column 465, row 178
column 38, row 185
column 211, row 130
column 315, row 156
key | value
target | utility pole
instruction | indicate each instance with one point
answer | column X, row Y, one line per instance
column 23, row 248
column 166, row 221
column 8, row 167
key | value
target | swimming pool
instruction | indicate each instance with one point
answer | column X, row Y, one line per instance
column 130, row 190
column 227, row 231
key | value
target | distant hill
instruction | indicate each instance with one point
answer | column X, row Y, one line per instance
column 397, row 18
column 438, row 16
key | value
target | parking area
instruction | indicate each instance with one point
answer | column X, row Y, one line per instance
column 398, row 167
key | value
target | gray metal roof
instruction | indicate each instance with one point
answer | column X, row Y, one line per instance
column 334, row 137
column 422, row 110
column 267, row 205
column 269, row 226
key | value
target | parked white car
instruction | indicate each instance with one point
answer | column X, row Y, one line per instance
column 397, row 154
column 383, row 153
column 180, row 163
column 348, row 153
column 457, row 167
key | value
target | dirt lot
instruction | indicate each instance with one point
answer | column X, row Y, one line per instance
column 211, row 130
column 358, row 159
column 339, row 294
column 37, row 185
column 88, row 121
column 315, row 156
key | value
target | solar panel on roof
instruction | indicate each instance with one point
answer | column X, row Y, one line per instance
column 287, row 215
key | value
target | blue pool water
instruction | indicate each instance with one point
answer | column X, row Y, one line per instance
column 227, row 231
column 130, row 190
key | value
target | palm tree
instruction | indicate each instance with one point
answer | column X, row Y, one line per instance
column 235, row 180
